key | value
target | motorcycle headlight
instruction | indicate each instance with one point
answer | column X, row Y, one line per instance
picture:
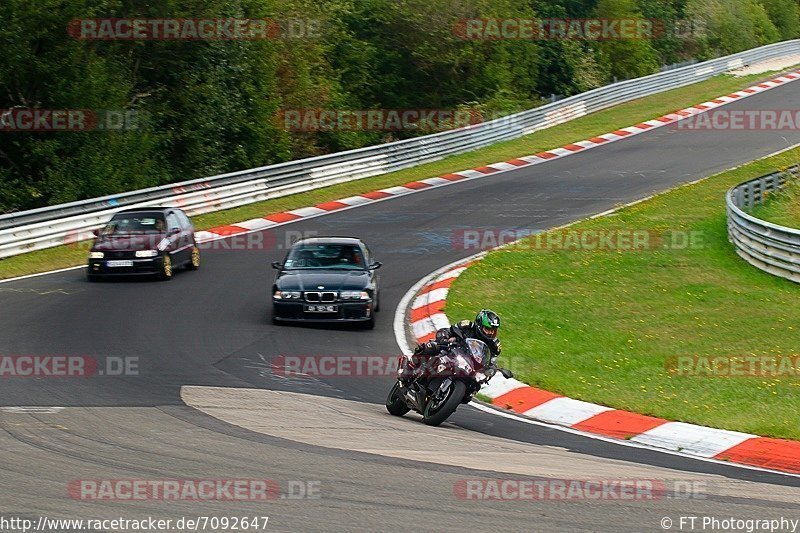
column 354, row 295
column 480, row 376
column 146, row 253
column 286, row 295
column 462, row 363
column 96, row 255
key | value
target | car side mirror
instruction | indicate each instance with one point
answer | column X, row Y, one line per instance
column 376, row 265
column 174, row 231
column 508, row 374
column 276, row 265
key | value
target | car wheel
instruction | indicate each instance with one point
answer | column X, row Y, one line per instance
column 377, row 301
column 194, row 262
column 166, row 268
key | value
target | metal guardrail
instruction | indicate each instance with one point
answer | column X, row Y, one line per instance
column 770, row 247
column 51, row 226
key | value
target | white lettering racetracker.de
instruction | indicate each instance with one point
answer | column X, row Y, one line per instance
column 331, row 365
column 561, row 489
column 173, row 489
column 38, row 366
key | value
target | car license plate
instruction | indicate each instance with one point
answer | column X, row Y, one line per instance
column 321, row 309
column 119, row 263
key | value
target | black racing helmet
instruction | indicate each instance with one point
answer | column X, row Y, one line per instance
column 487, row 322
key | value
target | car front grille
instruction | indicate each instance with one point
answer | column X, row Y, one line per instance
column 320, row 297
column 120, row 255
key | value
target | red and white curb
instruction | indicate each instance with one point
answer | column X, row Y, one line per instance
column 277, row 219
column 286, row 217
column 425, row 314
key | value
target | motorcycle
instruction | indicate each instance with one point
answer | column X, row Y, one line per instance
column 449, row 379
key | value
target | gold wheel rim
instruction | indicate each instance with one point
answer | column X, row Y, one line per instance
column 167, row 266
column 195, row 257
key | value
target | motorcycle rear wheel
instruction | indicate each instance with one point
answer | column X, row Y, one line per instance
column 436, row 414
column 395, row 404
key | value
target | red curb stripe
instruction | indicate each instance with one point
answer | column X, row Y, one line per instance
column 776, row 454
column 621, row 133
column 701, row 107
column 376, row 195
column 282, row 217
column 416, row 185
column 443, row 284
column 228, row 230
column 452, row 177
column 573, row 147
column 517, row 162
column 734, row 95
column 524, row 398
column 665, row 119
column 764, row 85
column 643, row 126
column 776, row 80
column 427, row 337
column 619, row 424
column 598, row 140
column 427, row 310
column 331, row 206
column 545, row 155
column 718, row 101
column 750, row 91
column 487, row 170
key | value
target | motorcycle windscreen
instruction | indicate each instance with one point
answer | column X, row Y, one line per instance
column 480, row 351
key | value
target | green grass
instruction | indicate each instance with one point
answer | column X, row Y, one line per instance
column 782, row 207
column 589, row 126
column 600, row 325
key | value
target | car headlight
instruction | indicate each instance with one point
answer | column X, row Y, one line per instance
column 286, row 295
column 146, row 253
column 354, row 295
column 95, row 255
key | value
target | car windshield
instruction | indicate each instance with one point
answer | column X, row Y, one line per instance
column 128, row 223
column 327, row 256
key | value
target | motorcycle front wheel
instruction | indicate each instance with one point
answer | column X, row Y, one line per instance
column 395, row 403
column 439, row 410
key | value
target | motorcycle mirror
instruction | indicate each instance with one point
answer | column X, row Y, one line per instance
column 508, row 374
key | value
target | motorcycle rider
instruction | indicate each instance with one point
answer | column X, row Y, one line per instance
column 484, row 329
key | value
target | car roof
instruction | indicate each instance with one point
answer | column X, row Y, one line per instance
column 330, row 240
column 148, row 209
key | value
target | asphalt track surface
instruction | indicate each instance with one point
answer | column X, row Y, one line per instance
column 211, row 328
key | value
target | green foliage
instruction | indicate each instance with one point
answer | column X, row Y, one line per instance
column 729, row 26
column 208, row 107
column 625, row 58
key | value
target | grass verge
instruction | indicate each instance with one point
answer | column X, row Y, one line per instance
column 782, row 207
column 602, row 325
column 582, row 128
